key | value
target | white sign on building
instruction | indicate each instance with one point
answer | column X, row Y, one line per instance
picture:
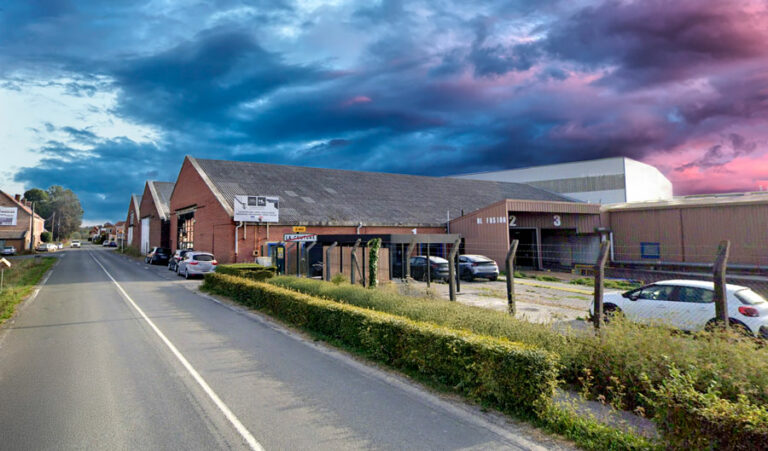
column 8, row 216
column 256, row 208
column 299, row 237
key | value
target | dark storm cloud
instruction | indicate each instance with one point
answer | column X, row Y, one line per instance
column 717, row 156
column 654, row 41
column 200, row 81
column 435, row 87
column 105, row 175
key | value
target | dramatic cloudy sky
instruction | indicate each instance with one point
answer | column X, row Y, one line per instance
column 99, row 96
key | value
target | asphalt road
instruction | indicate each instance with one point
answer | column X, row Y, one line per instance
column 112, row 354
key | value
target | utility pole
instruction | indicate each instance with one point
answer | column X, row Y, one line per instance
column 32, row 229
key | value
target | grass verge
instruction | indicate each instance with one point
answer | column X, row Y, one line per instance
column 19, row 281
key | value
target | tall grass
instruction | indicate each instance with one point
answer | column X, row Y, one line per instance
column 609, row 364
column 19, row 281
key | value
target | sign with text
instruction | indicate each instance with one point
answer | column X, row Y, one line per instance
column 299, row 237
column 299, row 229
column 256, row 208
column 8, row 216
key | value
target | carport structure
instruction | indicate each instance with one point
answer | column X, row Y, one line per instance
column 393, row 254
column 551, row 234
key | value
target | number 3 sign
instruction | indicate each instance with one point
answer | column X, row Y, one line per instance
column 558, row 222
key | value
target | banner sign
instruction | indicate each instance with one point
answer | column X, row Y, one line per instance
column 299, row 237
column 8, row 216
column 256, row 208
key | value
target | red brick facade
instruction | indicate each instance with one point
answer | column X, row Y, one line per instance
column 157, row 236
column 133, row 225
column 214, row 229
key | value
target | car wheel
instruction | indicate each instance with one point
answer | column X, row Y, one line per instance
column 733, row 325
column 610, row 312
column 470, row 277
column 493, row 278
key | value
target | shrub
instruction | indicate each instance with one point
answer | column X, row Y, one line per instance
column 45, row 237
column 338, row 279
column 690, row 419
column 616, row 358
column 250, row 271
column 510, row 376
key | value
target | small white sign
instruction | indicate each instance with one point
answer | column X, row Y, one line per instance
column 8, row 216
column 299, row 237
column 4, row 263
column 257, row 208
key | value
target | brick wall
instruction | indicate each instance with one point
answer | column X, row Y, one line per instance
column 14, row 233
column 156, row 224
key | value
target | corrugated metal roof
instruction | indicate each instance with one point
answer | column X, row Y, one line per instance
column 707, row 200
column 163, row 191
column 340, row 197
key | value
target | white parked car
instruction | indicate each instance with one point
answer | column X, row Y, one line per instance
column 196, row 264
column 689, row 305
column 8, row 250
column 471, row 266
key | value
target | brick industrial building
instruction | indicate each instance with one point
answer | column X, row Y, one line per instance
column 324, row 201
column 554, row 230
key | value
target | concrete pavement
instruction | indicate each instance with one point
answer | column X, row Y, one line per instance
column 115, row 354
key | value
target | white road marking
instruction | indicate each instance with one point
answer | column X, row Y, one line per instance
column 241, row 429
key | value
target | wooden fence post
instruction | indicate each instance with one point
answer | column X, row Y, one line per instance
column 721, row 300
column 602, row 259
column 510, row 268
column 452, row 274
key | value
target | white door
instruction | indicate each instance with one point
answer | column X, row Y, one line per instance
column 130, row 235
column 144, row 235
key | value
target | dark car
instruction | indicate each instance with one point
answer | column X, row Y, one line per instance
column 158, row 256
column 173, row 261
column 112, row 244
column 438, row 268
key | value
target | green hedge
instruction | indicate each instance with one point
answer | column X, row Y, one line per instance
column 690, row 419
column 248, row 270
column 609, row 365
column 509, row 376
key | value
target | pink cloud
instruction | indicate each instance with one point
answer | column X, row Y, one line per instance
column 357, row 99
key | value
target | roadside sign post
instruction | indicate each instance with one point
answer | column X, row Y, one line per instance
column 3, row 264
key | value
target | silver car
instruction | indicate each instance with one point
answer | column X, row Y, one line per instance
column 196, row 264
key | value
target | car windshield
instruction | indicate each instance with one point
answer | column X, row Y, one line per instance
column 749, row 297
column 438, row 260
column 479, row 259
column 203, row 257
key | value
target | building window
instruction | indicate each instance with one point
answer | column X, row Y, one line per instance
column 186, row 231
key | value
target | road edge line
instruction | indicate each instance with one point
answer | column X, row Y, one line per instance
column 228, row 414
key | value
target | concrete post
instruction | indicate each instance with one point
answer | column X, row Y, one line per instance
column 328, row 251
column 602, row 259
column 510, row 268
column 306, row 257
column 353, row 262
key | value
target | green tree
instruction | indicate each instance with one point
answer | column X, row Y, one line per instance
column 60, row 207
column 74, row 236
column 45, row 237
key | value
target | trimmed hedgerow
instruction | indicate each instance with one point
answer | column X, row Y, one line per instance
column 690, row 419
column 608, row 365
column 510, row 376
column 250, row 271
